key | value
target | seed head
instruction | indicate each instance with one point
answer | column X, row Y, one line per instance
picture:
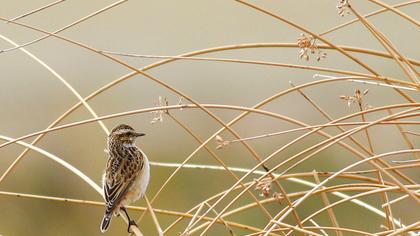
column 342, row 7
column 264, row 185
column 221, row 143
column 357, row 98
column 307, row 44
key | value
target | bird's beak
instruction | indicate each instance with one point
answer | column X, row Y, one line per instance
column 139, row 134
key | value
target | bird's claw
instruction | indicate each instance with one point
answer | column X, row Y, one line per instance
column 130, row 223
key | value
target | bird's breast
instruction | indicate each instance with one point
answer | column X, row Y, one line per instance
column 140, row 184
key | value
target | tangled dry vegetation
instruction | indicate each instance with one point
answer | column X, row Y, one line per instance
column 382, row 176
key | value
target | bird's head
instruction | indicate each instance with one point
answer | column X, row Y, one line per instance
column 124, row 133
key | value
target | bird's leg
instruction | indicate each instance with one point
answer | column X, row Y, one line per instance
column 130, row 221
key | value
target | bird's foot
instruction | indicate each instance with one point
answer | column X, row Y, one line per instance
column 130, row 223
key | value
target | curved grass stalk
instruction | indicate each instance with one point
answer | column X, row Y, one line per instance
column 193, row 106
column 36, row 10
column 146, row 68
column 322, row 34
column 300, row 229
column 317, row 225
column 161, row 84
column 257, row 166
column 73, row 169
column 215, row 156
column 367, row 16
column 340, row 229
column 300, row 200
column 286, row 177
column 60, row 161
column 219, row 106
column 355, row 175
column 259, row 45
column 332, row 189
column 144, row 110
column 165, row 85
column 396, row 11
column 370, row 151
column 374, row 191
column 126, row 77
column 206, row 167
column 405, row 229
column 61, row 29
column 93, row 95
column 294, row 25
column 364, row 65
column 17, row 160
column 326, row 202
column 397, row 200
column 410, row 72
column 190, row 106
column 334, row 140
column 340, row 124
column 337, row 138
column 135, row 208
column 152, row 213
column 62, row 80
column 241, row 116
column 291, row 177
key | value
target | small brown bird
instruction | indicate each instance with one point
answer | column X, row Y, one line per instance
column 126, row 175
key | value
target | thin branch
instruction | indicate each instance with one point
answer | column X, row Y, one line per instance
column 257, row 45
column 35, row 10
column 136, row 208
column 212, row 153
column 61, row 29
column 150, row 77
column 384, row 85
column 294, row 25
column 60, row 161
column 62, row 80
column 389, row 203
column 396, row 11
column 367, row 16
column 389, row 47
column 405, row 229
column 152, row 213
column 192, row 221
column 320, row 229
column 412, row 133
column 300, row 200
column 224, row 222
column 326, row 201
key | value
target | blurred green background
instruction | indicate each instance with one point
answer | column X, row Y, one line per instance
column 31, row 98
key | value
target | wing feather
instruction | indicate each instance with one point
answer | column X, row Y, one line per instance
column 120, row 175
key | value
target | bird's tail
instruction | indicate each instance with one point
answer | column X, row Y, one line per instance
column 106, row 221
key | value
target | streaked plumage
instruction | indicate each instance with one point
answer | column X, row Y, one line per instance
column 127, row 172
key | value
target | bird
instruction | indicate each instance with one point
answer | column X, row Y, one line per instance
column 126, row 175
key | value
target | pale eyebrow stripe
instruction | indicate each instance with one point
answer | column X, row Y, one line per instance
column 122, row 131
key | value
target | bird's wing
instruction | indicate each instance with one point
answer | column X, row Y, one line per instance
column 119, row 176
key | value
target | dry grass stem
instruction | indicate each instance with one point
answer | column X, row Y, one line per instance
column 326, row 201
column 61, row 29
column 35, row 11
